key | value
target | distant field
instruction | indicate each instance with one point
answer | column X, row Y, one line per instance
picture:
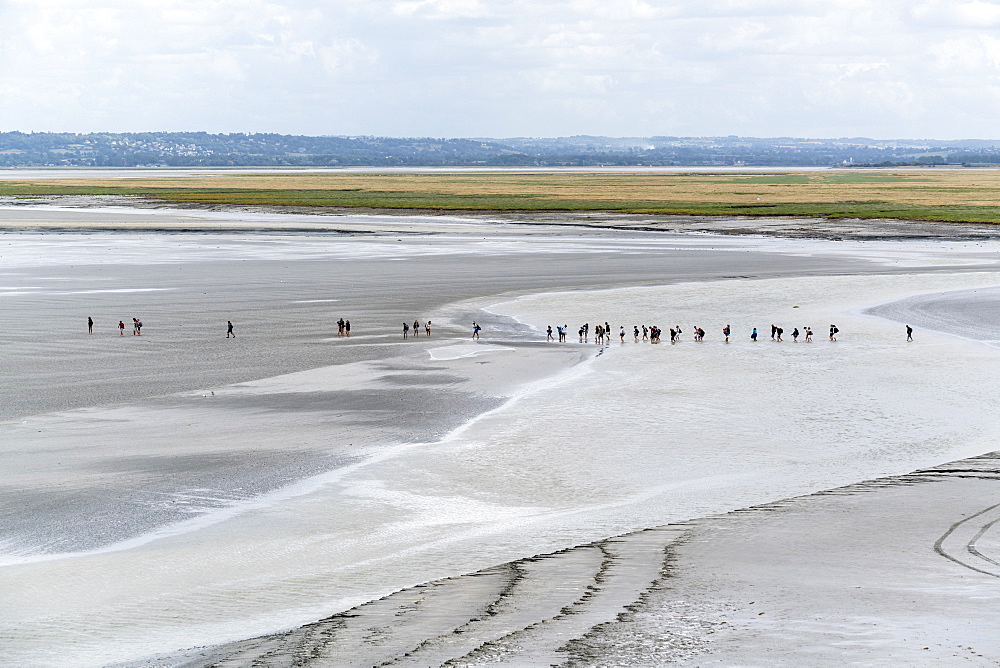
column 943, row 195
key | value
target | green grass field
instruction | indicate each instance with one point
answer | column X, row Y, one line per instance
column 936, row 195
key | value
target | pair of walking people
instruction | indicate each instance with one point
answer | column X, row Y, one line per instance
column 136, row 327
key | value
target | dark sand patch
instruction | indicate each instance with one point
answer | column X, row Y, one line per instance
column 367, row 221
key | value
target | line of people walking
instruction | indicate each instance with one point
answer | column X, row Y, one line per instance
column 602, row 332
column 652, row 333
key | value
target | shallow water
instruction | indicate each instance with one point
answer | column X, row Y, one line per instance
column 972, row 314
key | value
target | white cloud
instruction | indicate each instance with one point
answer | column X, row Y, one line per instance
column 977, row 14
column 980, row 54
column 502, row 67
column 851, row 70
column 441, row 9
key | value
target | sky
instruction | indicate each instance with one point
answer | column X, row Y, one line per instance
column 504, row 68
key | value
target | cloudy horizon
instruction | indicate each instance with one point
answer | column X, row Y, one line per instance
column 513, row 68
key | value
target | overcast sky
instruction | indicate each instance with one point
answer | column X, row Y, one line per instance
column 503, row 68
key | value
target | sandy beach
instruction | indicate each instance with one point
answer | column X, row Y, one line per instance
column 291, row 497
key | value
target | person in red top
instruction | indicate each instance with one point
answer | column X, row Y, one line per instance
column 121, row 328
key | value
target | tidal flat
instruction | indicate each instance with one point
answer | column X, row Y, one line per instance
column 181, row 498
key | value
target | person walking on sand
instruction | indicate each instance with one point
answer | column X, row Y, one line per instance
column 135, row 326
column 778, row 332
column 548, row 334
column 340, row 327
column 229, row 329
column 833, row 332
column 406, row 330
column 416, row 329
column 427, row 328
column 809, row 335
column 774, row 330
column 753, row 335
column 90, row 325
column 909, row 333
column 645, row 333
column 725, row 332
column 635, row 332
column 621, row 333
column 347, row 328
column 795, row 335
column 475, row 330
column 121, row 328
column 138, row 327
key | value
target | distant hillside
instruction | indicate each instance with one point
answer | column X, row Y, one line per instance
column 200, row 149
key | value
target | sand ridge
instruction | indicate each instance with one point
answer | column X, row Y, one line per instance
column 757, row 586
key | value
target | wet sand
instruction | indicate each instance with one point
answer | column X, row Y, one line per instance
column 901, row 570
column 888, row 572
column 182, row 409
column 284, row 293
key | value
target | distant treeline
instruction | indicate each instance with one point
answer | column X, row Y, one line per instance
column 201, row 149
